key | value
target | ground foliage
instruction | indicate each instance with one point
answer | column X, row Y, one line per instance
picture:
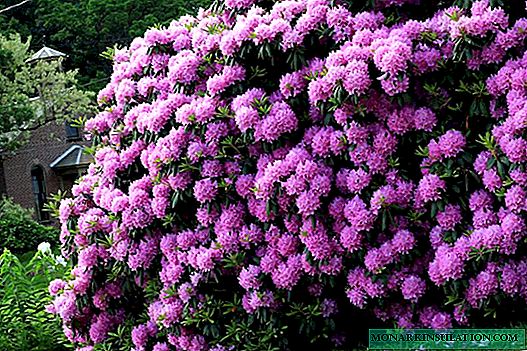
column 24, row 322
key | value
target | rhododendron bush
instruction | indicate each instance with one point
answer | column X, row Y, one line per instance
column 268, row 174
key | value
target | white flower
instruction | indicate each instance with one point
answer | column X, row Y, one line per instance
column 44, row 247
column 60, row 260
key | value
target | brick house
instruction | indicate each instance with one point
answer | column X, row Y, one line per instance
column 50, row 161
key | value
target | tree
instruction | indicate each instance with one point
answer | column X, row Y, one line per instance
column 32, row 94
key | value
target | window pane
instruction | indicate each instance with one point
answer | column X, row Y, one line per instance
column 71, row 132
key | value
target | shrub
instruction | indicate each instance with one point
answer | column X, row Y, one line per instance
column 19, row 232
column 268, row 173
column 24, row 322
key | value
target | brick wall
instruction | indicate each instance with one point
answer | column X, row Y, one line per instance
column 45, row 144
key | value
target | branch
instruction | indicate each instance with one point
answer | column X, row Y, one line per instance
column 13, row 6
column 37, row 125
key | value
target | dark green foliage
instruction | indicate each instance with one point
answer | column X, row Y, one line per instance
column 19, row 232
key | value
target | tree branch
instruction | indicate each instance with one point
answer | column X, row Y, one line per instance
column 13, row 6
column 37, row 125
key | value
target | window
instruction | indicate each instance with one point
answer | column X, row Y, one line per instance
column 39, row 192
column 71, row 131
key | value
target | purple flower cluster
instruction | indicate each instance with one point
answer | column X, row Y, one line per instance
column 448, row 145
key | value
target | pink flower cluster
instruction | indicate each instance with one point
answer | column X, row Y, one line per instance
column 309, row 173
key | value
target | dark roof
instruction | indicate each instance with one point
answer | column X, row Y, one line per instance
column 74, row 157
